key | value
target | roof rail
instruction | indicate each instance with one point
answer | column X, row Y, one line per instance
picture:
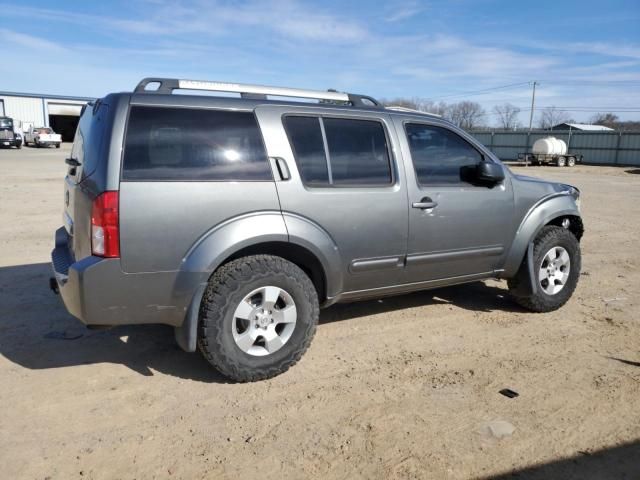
column 260, row 92
column 398, row 108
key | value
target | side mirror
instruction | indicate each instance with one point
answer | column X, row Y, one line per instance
column 489, row 172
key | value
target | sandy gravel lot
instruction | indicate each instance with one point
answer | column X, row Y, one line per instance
column 404, row 387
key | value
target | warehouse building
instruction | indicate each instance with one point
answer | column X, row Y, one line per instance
column 61, row 113
column 582, row 127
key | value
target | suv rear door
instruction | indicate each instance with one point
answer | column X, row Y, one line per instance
column 470, row 227
column 344, row 179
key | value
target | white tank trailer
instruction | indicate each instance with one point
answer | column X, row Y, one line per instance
column 552, row 151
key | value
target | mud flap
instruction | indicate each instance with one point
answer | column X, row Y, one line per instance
column 526, row 276
column 187, row 334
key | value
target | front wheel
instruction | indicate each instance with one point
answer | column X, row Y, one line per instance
column 556, row 263
column 258, row 316
column 57, row 145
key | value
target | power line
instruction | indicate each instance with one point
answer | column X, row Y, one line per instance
column 480, row 92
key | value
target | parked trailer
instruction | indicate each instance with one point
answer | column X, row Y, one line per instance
column 550, row 150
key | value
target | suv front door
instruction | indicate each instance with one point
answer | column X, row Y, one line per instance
column 457, row 229
column 344, row 180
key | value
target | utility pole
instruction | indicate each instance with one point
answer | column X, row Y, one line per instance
column 533, row 102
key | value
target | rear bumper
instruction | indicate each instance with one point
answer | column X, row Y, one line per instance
column 96, row 291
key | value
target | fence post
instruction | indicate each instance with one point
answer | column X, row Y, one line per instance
column 491, row 146
column 569, row 142
column 615, row 159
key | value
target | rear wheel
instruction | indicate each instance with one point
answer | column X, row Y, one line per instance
column 571, row 162
column 562, row 161
column 57, row 145
column 258, row 316
column 556, row 263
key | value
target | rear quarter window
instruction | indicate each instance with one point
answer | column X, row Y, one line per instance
column 181, row 144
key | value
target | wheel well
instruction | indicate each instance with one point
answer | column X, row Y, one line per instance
column 296, row 254
column 575, row 224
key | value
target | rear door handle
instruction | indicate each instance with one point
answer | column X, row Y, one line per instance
column 281, row 167
column 425, row 204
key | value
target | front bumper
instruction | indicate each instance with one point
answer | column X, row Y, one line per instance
column 10, row 143
column 96, row 291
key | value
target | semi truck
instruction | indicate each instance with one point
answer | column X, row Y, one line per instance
column 8, row 137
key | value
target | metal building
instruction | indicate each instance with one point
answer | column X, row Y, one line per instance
column 61, row 113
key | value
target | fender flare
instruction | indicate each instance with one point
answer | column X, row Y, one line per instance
column 236, row 234
column 545, row 210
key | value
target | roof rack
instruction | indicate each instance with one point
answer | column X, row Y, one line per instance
column 398, row 108
column 258, row 92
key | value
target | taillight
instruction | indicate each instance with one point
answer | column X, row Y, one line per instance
column 105, row 235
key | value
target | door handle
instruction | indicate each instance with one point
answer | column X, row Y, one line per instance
column 425, row 204
column 281, row 167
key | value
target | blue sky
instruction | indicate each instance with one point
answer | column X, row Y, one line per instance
column 585, row 54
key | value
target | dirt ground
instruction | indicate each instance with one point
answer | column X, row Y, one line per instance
column 405, row 387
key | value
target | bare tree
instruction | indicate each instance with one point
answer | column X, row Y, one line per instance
column 415, row 103
column 412, row 103
column 552, row 116
column 507, row 115
column 465, row 114
column 429, row 106
column 607, row 119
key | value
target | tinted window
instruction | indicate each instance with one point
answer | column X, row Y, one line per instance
column 88, row 140
column 439, row 155
column 357, row 151
column 308, row 148
column 190, row 144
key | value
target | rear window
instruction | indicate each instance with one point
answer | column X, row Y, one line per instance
column 175, row 144
column 88, row 140
column 339, row 151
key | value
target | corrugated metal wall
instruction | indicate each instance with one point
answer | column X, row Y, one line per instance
column 615, row 148
column 25, row 109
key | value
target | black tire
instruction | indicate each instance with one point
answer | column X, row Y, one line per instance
column 562, row 161
column 228, row 286
column 549, row 237
column 571, row 162
column 57, row 145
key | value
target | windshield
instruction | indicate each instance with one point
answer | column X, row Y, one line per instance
column 43, row 130
column 6, row 123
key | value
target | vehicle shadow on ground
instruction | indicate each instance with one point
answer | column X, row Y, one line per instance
column 635, row 171
column 36, row 332
column 476, row 297
column 616, row 462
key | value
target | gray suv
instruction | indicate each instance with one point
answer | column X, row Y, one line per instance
column 235, row 219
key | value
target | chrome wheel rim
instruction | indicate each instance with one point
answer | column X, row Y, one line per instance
column 264, row 321
column 554, row 270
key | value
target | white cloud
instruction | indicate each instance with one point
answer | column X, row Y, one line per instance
column 404, row 11
column 29, row 41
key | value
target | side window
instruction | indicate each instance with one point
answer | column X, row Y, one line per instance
column 439, row 155
column 358, row 152
column 305, row 136
column 173, row 144
column 339, row 151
